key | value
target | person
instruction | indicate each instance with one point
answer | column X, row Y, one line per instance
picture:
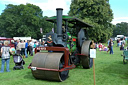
column 5, row 56
column 96, row 45
column 0, row 49
column 93, row 44
column 22, row 48
column 15, row 44
column 31, row 45
column 34, row 46
column 120, row 42
column 105, row 48
column 26, row 46
column 123, row 41
column 42, row 44
column 37, row 44
column 18, row 47
column 117, row 42
column 111, row 46
column 100, row 46
column 122, row 47
column 63, row 28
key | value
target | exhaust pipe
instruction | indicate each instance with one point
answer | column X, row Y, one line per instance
column 59, row 20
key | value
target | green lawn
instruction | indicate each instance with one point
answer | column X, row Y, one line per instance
column 109, row 70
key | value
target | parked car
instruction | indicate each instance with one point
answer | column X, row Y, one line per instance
column 10, row 40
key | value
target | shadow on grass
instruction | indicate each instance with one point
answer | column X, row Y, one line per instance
column 30, row 76
column 117, row 69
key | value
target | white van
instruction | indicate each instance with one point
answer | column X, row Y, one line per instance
column 119, row 37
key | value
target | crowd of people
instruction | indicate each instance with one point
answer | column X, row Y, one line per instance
column 25, row 47
column 120, row 43
column 22, row 47
column 102, row 47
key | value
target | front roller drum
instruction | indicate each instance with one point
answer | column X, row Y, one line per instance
column 87, row 62
column 49, row 61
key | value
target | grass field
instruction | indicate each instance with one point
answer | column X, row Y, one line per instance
column 109, row 70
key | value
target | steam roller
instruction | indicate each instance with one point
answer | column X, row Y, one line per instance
column 64, row 50
column 49, row 61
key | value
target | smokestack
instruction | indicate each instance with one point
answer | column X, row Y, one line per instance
column 59, row 20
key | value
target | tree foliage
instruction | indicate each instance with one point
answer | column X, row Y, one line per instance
column 97, row 13
column 22, row 21
column 120, row 29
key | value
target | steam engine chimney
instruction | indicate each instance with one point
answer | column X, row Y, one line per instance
column 59, row 20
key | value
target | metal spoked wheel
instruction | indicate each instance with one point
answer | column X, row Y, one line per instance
column 87, row 62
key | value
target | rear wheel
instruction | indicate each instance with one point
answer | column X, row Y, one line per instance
column 87, row 62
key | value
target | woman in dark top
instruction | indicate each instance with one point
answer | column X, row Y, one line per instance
column 111, row 46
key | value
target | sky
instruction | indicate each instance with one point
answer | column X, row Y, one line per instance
column 119, row 7
column 120, row 10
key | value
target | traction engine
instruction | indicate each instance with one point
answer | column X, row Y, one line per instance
column 63, row 51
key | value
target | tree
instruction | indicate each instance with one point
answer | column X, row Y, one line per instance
column 120, row 29
column 22, row 20
column 96, row 13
